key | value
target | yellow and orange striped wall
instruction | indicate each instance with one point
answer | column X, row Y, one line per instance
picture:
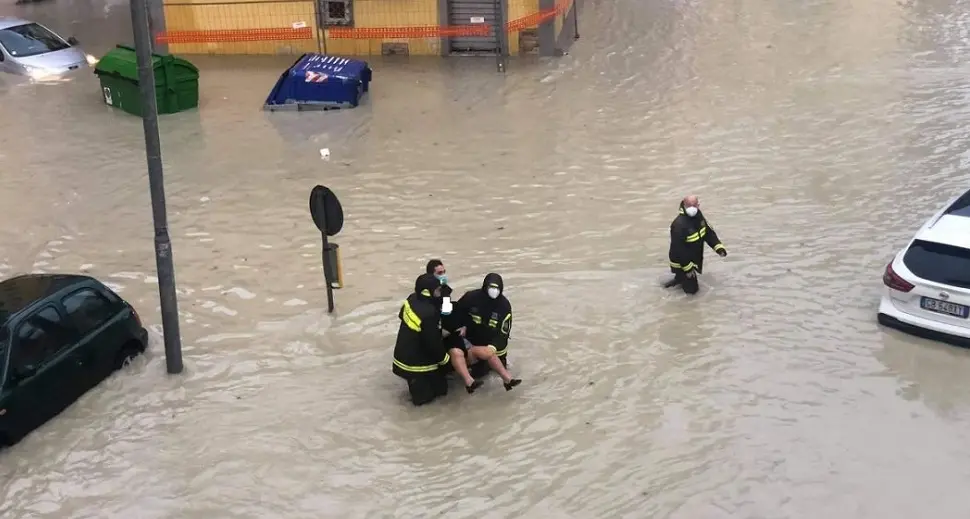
column 291, row 27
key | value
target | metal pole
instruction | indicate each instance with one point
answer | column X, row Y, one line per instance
column 326, row 257
column 321, row 28
column 151, row 28
column 576, row 19
column 326, row 271
column 153, row 151
column 501, row 36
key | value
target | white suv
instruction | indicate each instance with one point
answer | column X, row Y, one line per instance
column 928, row 282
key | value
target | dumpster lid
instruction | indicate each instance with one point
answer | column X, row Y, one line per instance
column 330, row 66
column 123, row 61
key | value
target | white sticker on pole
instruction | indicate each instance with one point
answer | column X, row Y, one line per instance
column 478, row 19
column 299, row 25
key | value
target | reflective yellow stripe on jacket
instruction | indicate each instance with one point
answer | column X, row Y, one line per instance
column 506, row 327
column 686, row 268
column 412, row 321
column 422, row 369
column 697, row 235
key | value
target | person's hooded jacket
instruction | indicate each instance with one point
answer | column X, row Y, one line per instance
column 419, row 349
column 488, row 320
column 687, row 237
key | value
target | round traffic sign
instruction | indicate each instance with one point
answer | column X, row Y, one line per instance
column 326, row 210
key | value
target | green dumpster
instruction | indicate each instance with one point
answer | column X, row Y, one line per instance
column 176, row 82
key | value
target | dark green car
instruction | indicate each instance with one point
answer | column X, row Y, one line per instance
column 60, row 335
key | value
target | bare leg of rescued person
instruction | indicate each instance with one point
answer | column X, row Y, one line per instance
column 461, row 367
column 456, row 350
column 487, row 354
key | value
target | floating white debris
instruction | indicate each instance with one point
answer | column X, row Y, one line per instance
column 325, row 153
column 241, row 293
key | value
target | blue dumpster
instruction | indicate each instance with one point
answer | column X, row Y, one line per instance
column 320, row 82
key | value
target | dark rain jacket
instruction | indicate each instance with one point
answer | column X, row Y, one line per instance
column 451, row 322
column 419, row 349
column 488, row 321
column 687, row 238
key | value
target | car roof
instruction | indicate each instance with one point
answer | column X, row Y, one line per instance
column 949, row 229
column 20, row 292
column 7, row 22
column 960, row 206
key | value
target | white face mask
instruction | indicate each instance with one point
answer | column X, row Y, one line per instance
column 691, row 211
column 493, row 292
column 446, row 306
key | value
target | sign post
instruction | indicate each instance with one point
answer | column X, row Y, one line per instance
column 328, row 216
column 575, row 19
column 164, row 265
column 501, row 36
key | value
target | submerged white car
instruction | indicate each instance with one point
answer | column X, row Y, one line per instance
column 30, row 49
column 928, row 283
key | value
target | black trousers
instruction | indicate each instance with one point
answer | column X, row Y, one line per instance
column 689, row 284
column 425, row 388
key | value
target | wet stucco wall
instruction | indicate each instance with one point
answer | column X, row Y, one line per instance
column 195, row 15
column 207, row 15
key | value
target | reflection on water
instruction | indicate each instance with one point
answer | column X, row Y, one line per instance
column 819, row 136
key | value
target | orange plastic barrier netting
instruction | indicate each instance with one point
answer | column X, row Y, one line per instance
column 366, row 33
column 421, row 31
column 235, row 35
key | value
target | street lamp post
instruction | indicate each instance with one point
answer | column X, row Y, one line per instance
column 153, row 151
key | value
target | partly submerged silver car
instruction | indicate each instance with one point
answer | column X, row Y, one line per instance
column 30, row 49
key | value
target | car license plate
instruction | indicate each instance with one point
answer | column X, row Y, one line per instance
column 943, row 307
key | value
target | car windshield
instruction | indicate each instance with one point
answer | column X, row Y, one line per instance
column 940, row 263
column 30, row 39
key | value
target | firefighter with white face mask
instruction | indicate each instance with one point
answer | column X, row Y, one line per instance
column 688, row 234
column 487, row 315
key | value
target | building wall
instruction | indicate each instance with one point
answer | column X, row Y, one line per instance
column 204, row 15
column 518, row 9
column 561, row 16
column 216, row 15
column 390, row 13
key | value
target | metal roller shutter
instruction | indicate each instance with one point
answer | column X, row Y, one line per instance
column 465, row 12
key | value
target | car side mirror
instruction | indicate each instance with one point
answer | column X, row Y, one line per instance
column 72, row 41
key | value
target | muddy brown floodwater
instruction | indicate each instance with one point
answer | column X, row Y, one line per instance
column 819, row 136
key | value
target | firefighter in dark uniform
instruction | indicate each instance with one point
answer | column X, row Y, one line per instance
column 451, row 325
column 419, row 354
column 688, row 234
column 488, row 325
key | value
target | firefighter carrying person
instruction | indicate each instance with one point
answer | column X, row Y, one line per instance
column 451, row 325
column 487, row 317
column 420, row 357
column 688, row 233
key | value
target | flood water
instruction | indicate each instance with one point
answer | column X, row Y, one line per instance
column 818, row 134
